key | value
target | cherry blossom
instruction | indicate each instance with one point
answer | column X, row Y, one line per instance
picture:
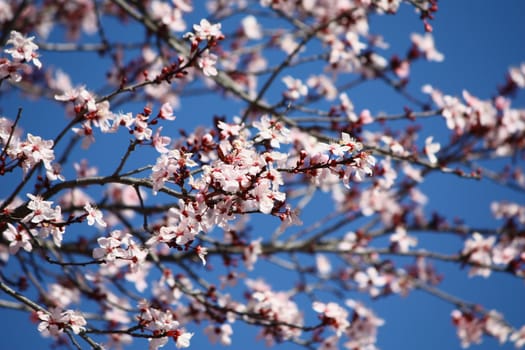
column 271, row 130
column 363, row 330
column 370, row 280
column 94, row 216
column 518, row 337
column 201, row 253
column 36, row 150
column 431, row 148
column 469, row 328
column 168, row 15
column 402, row 241
column 54, row 323
column 207, row 31
column 495, row 326
column 517, row 75
column 296, row 88
column 221, row 334
column 252, row 29
column 425, row 44
column 477, row 250
column 24, row 49
column 41, row 210
column 18, row 239
column 333, row 315
column 110, row 247
column 282, row 179
column 207, row 62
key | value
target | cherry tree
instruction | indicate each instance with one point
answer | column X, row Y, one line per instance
column 283, row 205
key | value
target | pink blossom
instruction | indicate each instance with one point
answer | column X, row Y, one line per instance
column 296, row 88
column 6, row 14
column 324, row 267
column 36, row 150
column 362, row 165
column 370, row 280
column 363, row 329
column 518, row 337
column 517, row 75
column 86, row 132
column 265, row 197
column 323, row 86
column 83, row 170
column 431, row 148
column 333, row 315
column 330, row 343
column 276, row 305
column 183, row 340
column 350, row 144
column 478, row 252
column 271, row 130
column 402, row 241
column 228, row 130
column 164, row 325
column 388, row 6
column 251, row 28
column 17, row 238
column 41, row 210
column 109, row 247
column 201, row 253
column 166, row 112
column 63, row 296
column 425, row 44
column 495, row 326
column 11, row 70
column 168, row 15
column 160, row 142
column 469, row 328
column 393, row 145
column 75, row 321
column 54, row 323
column 508, row 210
column 94, row 215
column 142, row 130
column 352, row 39
column 207, row 62
column 167, row 165
column 207, row 31
column 221, row 334
column 51, row 323
column 251, row 253
column 24, row 49
column 126, row 120
column 53, row 227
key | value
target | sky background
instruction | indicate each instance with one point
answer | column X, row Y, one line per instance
column 480, row 40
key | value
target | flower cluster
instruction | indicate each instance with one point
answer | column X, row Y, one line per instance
column 41, row 221
column 99, row 115
column 471, row 326
column 22, row 52
column 211, row 34
column 170, row 15
column 276, row 309
column 120, row 246
column 163, row 326
column 484, row 252
column 494, row 122
column 225, row 197
column 26, row 153
column 54, row 323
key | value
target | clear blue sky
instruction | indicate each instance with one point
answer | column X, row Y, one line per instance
column 480, row 40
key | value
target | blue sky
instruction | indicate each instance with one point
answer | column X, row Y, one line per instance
column 480, row 40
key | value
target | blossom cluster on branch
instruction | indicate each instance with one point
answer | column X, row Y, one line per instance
column 175, row 233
